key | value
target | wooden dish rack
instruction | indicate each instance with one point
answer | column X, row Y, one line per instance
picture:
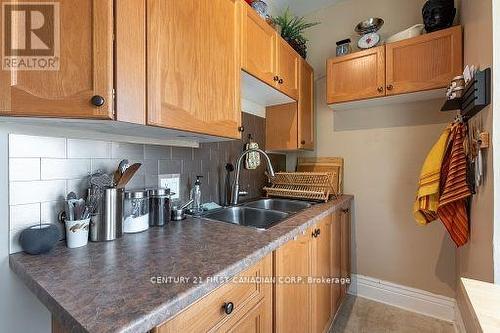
column 302, row 185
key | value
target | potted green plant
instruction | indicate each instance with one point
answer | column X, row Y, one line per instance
column 292, row 28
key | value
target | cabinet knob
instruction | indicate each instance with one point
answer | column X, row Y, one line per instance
column 97, row 100
column 276, row 78
column 228, row 307
column 303, row 142
column 241, row 129
column 380, row 89
column 346, row 210
column 390, row 87
column 281, row 81
column 319, row 231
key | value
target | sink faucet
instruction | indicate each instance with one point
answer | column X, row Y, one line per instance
column 235, row 191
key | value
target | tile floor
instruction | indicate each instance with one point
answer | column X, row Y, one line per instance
column 360, row 315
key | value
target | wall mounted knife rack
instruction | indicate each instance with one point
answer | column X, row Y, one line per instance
column 476, row 96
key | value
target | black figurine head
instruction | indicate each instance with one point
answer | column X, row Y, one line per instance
column 438, row 14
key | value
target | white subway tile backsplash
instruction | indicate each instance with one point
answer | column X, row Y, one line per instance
column 79, row 186
column 36, row 146
column 138, row 181
column 50, row 210
column 104, row 164
column 14, row 245
column 49, row 213
column 153, row 152
column 22, row 216
column 88, row 149
column 64, row 169
column 24, row 169
column 129, row 151
column 36, row 191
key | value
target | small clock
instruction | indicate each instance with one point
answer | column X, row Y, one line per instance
column 369, row 40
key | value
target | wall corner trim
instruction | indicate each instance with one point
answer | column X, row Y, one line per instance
column 411, row 299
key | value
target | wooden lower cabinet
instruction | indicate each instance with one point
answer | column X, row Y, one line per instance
column 309, row 306
column 292, row 300
column 251, row 301
column 345, row 244
column 321, row 271
column 336, row 257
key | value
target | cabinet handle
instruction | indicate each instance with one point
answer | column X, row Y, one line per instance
column 319, row 231
column 390, row 87
column 97, row 100
column 228, row 308
column 276, row 78
column 241, row 129
column 281, row 81
column 380, row 89
column 346, row 210
column 303, row 142
column 316, row 233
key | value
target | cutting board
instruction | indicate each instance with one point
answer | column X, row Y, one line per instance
column 324, row 164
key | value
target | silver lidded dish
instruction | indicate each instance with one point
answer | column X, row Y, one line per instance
column 370, row 25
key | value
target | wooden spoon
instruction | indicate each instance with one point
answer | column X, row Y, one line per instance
column 128, row 174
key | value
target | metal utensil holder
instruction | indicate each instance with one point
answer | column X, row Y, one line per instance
column 106, row 224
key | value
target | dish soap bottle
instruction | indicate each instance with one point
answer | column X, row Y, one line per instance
column 196, row 197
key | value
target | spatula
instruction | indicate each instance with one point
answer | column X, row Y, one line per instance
column 128, row 174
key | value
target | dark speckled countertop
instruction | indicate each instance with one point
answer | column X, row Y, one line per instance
column 106, row 287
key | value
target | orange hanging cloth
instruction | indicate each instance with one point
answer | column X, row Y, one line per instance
column 455, row 191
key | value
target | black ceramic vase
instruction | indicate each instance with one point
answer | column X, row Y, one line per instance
column 438, row 14
column 40, row 238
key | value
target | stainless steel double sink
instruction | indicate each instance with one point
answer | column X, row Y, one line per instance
column 261, row 214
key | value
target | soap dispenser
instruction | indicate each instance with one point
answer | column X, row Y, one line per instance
column 196, row 197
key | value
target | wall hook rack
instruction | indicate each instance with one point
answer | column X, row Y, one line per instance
column 476, row 96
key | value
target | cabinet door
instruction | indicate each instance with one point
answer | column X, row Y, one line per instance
column 423, row 63
column 85, row 62
column 258, row 46
column 256, row 320
column 288, row 70
column 321, row 269
column 281, row 127
column 193, row 72
column 293, row 299
column 356, row 76
column 345, row 240
column 336, row 259
column 306, row 107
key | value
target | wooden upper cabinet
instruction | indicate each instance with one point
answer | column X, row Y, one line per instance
column 288, row 69
column 306, row 107
column 85, row 47
column 281, row 127
column 356, row 76
column 423, row 63
column 194, row 62
column 258, row 46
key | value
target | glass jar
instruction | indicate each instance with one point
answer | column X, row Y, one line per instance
column 136, row 211
column 159, row 207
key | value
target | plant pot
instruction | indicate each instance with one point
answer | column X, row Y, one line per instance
column 298, row 46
